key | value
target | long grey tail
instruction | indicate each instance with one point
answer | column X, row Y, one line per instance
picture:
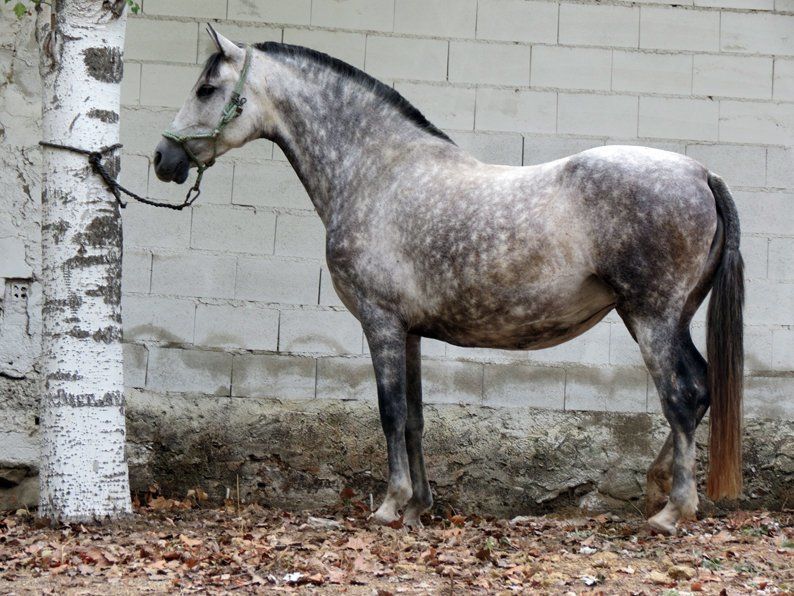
column 726, row 354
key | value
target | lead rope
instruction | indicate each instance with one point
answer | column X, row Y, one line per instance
column 95, row 159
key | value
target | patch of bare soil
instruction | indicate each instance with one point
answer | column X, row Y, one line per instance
column 179, row 547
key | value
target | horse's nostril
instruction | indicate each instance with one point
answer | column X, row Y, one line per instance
column 157, row 158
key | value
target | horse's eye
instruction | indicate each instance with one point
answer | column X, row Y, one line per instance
column 205, row 91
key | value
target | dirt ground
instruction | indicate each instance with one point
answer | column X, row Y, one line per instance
column 172, row 546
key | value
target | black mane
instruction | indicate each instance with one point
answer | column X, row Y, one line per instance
column 382, row 91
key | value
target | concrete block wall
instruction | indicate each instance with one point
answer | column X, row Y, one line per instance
column 232, row 296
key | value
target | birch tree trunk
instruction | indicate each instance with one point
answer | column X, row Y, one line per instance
column 83, row 471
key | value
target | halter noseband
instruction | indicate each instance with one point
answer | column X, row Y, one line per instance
column 232, row 109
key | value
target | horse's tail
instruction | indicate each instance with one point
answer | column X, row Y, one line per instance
column 726, row 354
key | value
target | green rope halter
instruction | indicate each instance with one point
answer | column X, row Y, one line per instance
column 232, row 109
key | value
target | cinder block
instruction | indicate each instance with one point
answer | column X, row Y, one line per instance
column 194, row 274
column 769, row 302
column 665, row 28
column 653, row 143
column 449, row 382
column 571, row 68
column 757, row 348
column 400, row 58
column 769, row 397
column 732, row 76
column 784, row 80
column 436, row 18
column 651, row 73
column 236, row 327
column 368, row 15
column 446, row 107
column 155, row 91
column 755, row 251
column 140, row 128
column 300, row 236
column 757, row 33
column 276, row 280
column 674, row 118
column 269, row 184
column 495, row 64
column 520, row 386
column 781, row 259
column 780, row 167
column 516, row 110
column 233, row 229
column 433, row 348
column 499, row 148
column 765, row 212
column 756, row 122
column 197, row 9
column 346, row 378
column 148, row 39
column 580, row 113
column 738, row 4
column 623, row 350
column 270, row 376
column 12, row 258
column 131, row 84
column 349, row 47
column 328, row 295
column 783, row 349
column 757, row 345
column 135, row 360
column 319, row 331
column 293, row 12
column 250, row 34
column 599, row 25
column 543, row 149
column 136, row 270
column 189, row 371
column 591, row 348
column 741, row 165
column 134, row 173
column 784, row 5
column 148, row 227
column 611, row 390
column 154, row 318
column 486, row 355
column 517, row 20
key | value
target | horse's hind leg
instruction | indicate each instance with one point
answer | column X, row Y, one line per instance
column 660, row 474
column 422, row 498
column 679, row 374
column 387, row 345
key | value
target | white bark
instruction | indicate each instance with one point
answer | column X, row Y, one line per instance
column 83, row 471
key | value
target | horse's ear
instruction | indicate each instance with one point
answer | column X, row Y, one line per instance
column 225, row 46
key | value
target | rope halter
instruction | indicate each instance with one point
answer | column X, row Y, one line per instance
column 232, row 109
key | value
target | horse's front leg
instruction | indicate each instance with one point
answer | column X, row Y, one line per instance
column 422, row 498
column 387, row 340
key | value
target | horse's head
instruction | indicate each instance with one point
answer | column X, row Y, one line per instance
column 216, row 117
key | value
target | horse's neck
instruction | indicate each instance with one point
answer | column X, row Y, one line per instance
column 338, row 137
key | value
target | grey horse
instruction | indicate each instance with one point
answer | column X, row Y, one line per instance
column 424, row 240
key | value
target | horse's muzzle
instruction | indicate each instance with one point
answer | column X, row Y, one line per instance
column 171, row 162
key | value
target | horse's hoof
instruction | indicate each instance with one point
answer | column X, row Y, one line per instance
column 661, row 525
column 654, row 505
column 385, row 517
column 412, row 521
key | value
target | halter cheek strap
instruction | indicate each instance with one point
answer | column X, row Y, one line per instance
column 232, row 109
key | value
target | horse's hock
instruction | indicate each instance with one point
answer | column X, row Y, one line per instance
column 242, row 364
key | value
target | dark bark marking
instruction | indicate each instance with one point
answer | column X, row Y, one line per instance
column 108, row 116
column 64, row 398
column 58, row 230
column 104, row 64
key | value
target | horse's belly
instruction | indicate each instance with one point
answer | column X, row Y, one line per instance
column 531, row 321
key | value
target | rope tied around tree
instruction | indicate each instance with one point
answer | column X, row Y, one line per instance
column 95, row 160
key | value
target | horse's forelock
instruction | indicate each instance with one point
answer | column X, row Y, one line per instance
column 212, row 66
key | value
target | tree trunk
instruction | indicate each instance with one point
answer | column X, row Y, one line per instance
column 83, row 472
